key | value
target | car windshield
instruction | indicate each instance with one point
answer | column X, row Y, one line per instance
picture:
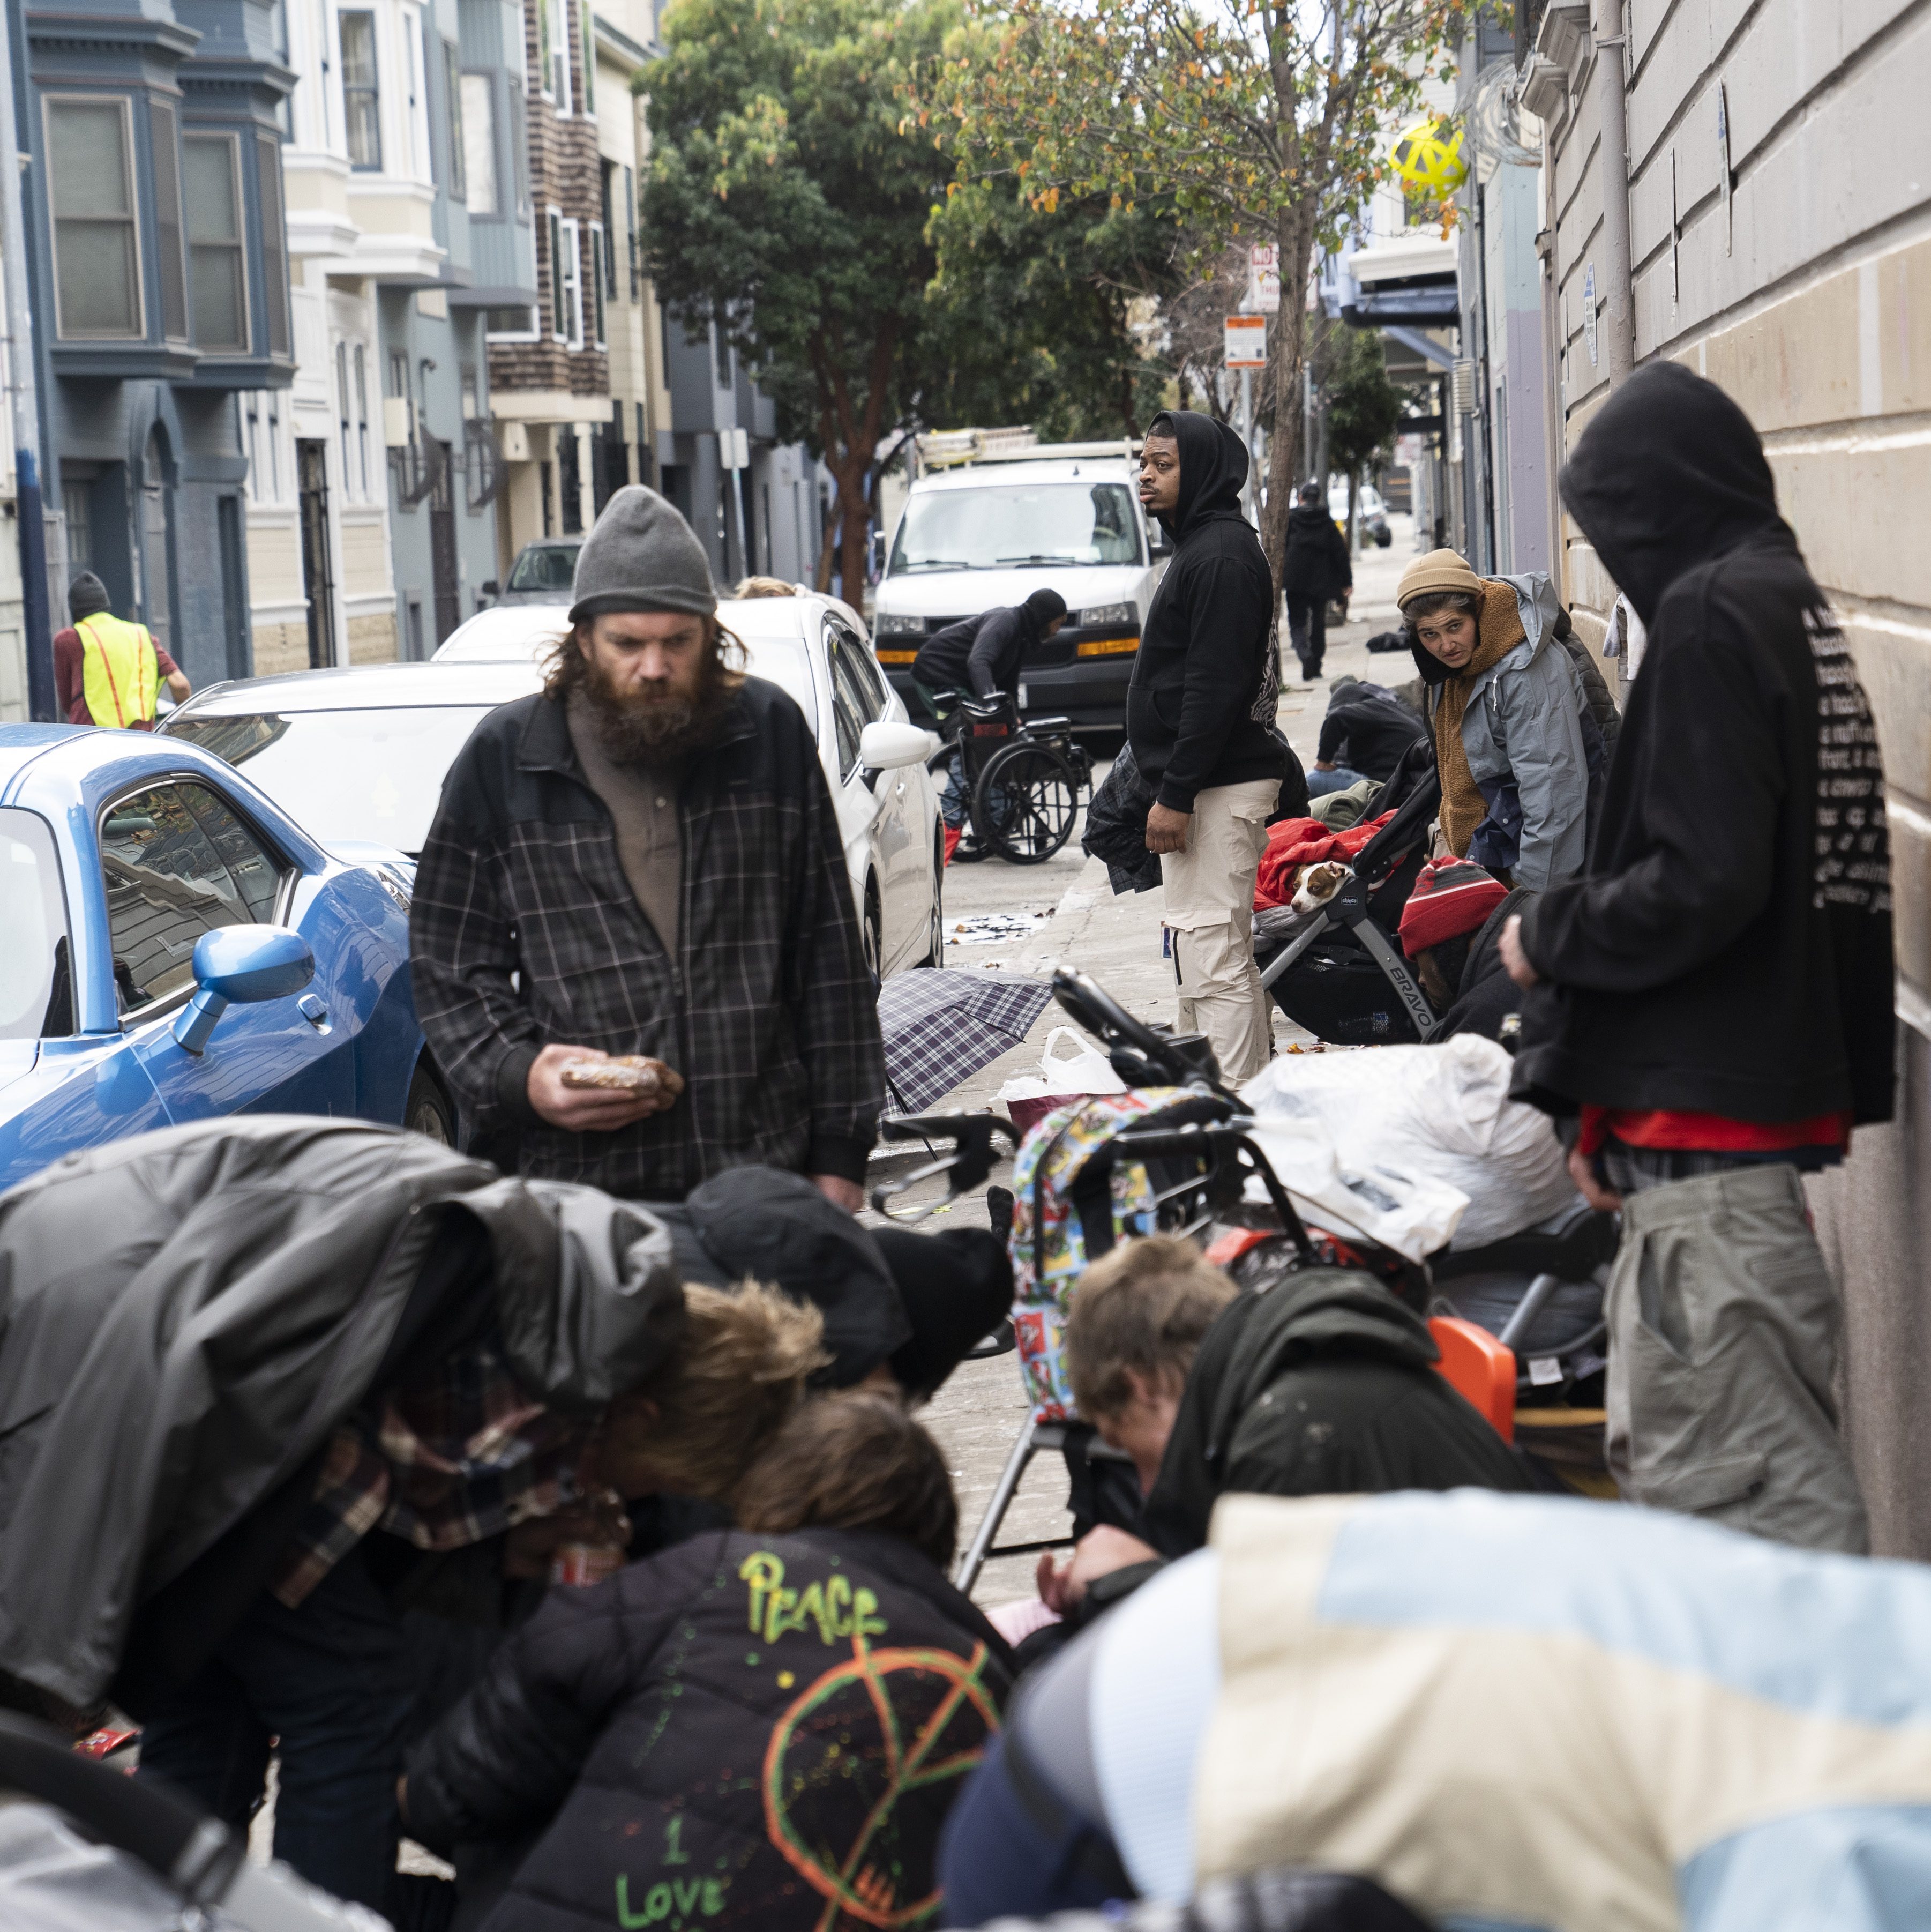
column 1009, row 528
column 36, row 982
column 544, row 567
column 344, row 774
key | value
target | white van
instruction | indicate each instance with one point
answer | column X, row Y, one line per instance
column 1065, row 517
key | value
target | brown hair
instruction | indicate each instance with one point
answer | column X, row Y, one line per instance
column 1144, row 1307
column 1426, row 604
column 764, row 586
column 695, row 1426
column 854, row 1461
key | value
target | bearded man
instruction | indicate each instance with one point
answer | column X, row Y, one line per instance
column 643, row 859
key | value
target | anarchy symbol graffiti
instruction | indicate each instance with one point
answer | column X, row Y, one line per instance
column 868, row 1737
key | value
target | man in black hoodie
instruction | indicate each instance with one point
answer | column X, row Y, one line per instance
column 1315, row 569
column 1714, row 998
column 1200, row 719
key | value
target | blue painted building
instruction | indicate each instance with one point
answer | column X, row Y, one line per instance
column 158, row 273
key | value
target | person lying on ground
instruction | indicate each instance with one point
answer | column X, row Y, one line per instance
column 1324, row 1384
column 1521, row 755
column 1518, row 1711
column 1363, row 736
column 764, row 1727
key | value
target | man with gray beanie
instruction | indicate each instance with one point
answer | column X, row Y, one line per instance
column 642, row 862
column 107, row 672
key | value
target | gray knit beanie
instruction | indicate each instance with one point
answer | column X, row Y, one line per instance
column 87, row 597
column 642, row 556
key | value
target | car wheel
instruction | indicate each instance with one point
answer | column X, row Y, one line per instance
column 874, row 940
column 935, row 950
column 426, row 1111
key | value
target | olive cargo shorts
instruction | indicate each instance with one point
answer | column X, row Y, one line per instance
column 1723, row 1326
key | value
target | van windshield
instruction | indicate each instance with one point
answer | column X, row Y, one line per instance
column 1008, row 529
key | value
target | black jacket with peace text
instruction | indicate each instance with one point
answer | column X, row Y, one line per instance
column 737, row 1733
column 1728, row 949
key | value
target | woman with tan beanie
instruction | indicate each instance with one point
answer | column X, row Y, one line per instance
column 1514, row 741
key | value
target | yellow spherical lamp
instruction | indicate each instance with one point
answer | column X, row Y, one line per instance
column 1429, row 155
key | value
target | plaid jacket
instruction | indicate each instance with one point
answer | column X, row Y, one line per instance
column 460, row 1458
column 768, row 1012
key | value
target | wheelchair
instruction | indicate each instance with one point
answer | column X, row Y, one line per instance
column 1015, row 783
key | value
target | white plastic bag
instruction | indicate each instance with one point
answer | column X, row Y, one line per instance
column 1066, row 1076
column 1441, row 1111
column 1401, row 1206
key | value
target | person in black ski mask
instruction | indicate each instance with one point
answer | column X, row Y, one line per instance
column 1200, row 719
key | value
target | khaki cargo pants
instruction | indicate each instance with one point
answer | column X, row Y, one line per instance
column 1723, row 1326
column 1210, row 910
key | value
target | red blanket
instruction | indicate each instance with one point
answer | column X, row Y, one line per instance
column 1295, row 842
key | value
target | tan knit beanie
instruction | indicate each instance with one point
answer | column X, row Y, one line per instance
column 1439, row 570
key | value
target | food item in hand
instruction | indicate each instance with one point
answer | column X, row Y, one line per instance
column 625, row 1073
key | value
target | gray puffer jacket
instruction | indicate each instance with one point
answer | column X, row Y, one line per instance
column 186, row 1316
column 1533, row 747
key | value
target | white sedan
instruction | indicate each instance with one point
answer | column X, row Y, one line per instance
column 358, row 755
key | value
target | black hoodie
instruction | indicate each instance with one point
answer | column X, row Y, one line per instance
column 1728, row 951
column 1200, row 707
column 1323, row 1385
column 1316, row 564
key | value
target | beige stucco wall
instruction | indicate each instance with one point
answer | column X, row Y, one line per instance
column 372, row 639
column 280, row 647
column 1808, row 298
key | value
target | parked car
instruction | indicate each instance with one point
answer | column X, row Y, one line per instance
column 542, row 574
column 1064, row 517
column 179, row 946
column 1369, row 506
column 360, row 754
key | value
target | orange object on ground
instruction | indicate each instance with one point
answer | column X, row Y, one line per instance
column 1478, row 1369
column 1295, row 842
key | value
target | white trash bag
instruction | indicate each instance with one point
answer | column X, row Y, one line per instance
column 1396, row 1203
column 1443, row 1111
column 1061, row 1077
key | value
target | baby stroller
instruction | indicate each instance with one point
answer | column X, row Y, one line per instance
column 1338, row 971
column 1174, row 1154
column 94, row 1850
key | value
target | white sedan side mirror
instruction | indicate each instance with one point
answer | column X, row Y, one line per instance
column 888, row 746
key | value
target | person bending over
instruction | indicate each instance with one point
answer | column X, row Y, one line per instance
column 1365, row 732
column 764, row 1727
column 438, row 1491
column 1516, row 744
column 1323, row 1384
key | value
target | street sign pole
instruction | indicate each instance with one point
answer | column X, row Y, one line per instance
column 1247, row 436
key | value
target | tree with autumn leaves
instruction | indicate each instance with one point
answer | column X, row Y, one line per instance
column 1253, row 120
column 795, row 194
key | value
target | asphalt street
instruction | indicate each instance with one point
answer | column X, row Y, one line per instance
column 1019, row 918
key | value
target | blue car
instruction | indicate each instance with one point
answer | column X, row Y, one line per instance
column 176, row 946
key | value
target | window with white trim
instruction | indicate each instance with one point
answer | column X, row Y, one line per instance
column 452, row 113
column 599, row 268
column 553, row 22
column 362, row 105
column 96, row 243
column 560, row 326
column 572, row 297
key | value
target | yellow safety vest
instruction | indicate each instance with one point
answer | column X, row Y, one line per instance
column 120, row 674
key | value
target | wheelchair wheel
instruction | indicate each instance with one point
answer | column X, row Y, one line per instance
column 1026, row 801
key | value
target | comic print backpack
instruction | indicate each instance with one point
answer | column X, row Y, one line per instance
column 1069, row 1209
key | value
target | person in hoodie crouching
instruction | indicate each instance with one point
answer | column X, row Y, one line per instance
column 763, row 1727
column 1323, row 1385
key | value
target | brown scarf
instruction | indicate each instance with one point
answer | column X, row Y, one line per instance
column 1499, row 630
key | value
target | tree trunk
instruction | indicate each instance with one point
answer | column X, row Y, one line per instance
column 852, row 514
column 1284, row 459
column 821, row 578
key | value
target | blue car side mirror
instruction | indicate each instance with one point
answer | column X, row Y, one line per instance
column 240, row 965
